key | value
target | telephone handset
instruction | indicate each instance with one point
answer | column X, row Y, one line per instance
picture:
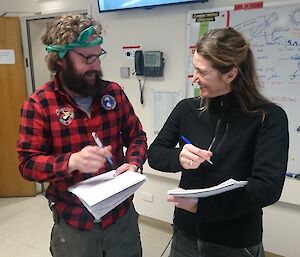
column 149, row 63
column 139, row 62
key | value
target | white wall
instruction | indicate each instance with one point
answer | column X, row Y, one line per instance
column 163, row 29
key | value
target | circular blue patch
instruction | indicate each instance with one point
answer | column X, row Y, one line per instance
column 108, row 102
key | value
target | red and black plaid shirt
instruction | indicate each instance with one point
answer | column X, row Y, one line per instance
column 53, row 127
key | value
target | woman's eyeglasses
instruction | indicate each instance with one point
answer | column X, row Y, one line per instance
column 92, row 58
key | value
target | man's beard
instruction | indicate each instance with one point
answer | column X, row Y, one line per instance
column 78, row 84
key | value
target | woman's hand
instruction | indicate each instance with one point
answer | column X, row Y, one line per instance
column 191, row 156
column 188, row 204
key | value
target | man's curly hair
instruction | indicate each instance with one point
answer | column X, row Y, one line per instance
column 64, row 30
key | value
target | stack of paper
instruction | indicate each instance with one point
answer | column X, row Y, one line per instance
column 102, row 193
column 228, row 185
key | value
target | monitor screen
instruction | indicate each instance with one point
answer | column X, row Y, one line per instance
column 115, row 5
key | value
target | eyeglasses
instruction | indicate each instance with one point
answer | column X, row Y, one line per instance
column 92, row 58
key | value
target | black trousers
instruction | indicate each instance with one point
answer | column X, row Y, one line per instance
column 185, row 246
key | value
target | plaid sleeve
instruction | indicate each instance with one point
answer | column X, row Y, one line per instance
column 134, row 137
column 34, row 146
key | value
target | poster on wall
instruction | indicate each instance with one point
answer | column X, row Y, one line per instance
column 7, row 56
column 164, row 102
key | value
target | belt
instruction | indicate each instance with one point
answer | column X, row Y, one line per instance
column 55, row 215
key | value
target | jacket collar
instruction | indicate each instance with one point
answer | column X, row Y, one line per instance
column 229, row 100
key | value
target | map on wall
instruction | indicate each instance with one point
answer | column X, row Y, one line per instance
column 274, row 35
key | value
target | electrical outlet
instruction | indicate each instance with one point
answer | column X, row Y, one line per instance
column 124, row 72
column 147, row 197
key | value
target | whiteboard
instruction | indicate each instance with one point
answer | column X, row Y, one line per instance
column 274, row 35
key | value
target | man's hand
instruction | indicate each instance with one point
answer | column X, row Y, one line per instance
column 89, row 160
column 125, row 167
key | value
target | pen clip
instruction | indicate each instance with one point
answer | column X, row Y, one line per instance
column 98, row 142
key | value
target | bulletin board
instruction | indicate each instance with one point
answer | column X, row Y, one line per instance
column 274, row 35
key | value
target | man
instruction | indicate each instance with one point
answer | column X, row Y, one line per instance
column 56, row 143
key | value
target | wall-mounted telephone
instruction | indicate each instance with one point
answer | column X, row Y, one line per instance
column 149, row 63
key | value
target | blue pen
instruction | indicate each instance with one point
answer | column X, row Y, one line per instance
column 186, row 140
column 189, row 142
column 98, row 142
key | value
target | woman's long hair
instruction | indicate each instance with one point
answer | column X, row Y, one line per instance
column 226, row 48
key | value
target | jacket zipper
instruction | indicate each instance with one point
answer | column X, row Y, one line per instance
column 215, row 135
column 223, row 138
column 217, row 128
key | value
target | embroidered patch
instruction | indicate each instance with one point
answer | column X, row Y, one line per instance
column 108, row 102
column 65, row 115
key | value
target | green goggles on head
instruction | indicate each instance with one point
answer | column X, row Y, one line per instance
column 81, row 41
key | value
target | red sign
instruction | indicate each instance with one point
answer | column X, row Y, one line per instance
column 248, row 6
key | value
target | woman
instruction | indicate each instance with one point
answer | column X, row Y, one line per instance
column 235, row 132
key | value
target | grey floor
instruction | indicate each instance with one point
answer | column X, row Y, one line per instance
column 26, row 222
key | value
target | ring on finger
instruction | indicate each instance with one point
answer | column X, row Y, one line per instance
column 191, row 162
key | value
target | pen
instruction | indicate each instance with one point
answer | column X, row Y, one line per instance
column 98, row 142
column 186, row 140
column 189, row 142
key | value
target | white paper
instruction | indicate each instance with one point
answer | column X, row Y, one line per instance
column 228, row 185
column 7, row 56
column 164, row 103
column 102, row 193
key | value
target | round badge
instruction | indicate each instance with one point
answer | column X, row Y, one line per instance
column 65, row 115
column 108, row 102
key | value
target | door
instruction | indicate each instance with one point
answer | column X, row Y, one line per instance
column 13, row 93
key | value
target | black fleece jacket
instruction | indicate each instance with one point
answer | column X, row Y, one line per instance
column 245, row 147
